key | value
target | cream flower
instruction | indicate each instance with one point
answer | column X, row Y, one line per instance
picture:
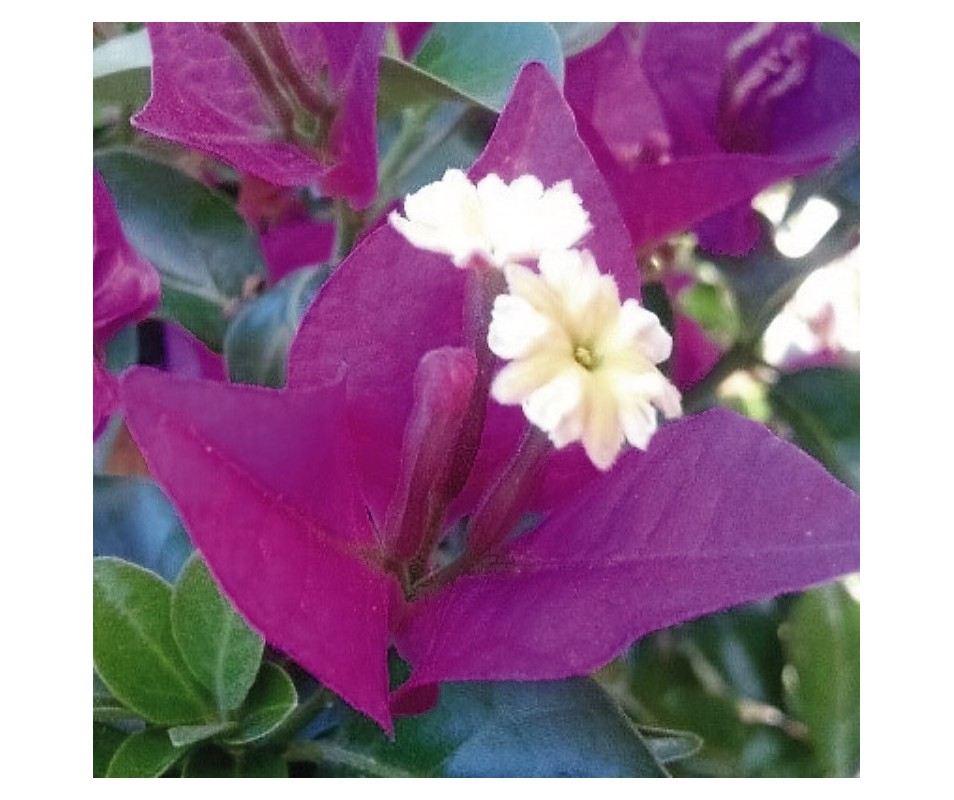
column 492, row 220
column 581, row 363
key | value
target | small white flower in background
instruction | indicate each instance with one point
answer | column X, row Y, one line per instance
column 581, row 362
column 492, row 220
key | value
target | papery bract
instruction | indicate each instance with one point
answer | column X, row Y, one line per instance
column 125, row 289
column 293, row 103
column 729, row 108
column 718, row 511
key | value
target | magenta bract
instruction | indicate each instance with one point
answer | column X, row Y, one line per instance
column 732, row 107
column 298, row 498
column 125, row 289
column 292, row 103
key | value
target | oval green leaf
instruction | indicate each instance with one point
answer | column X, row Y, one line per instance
column 134, row 651
column 202, row 248
column 272, row 698
column 823, row 637
column 147, row 754
column 509, row 729
column 133, row 520
column 106, row 741
column 481, row 60
column 183, row 735
column 257, row 340
column 216, row 643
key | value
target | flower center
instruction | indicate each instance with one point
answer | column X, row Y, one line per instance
column 585, row 357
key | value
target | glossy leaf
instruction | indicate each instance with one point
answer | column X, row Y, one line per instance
column 272, row 698
column 452, row 138
column 481, row 60
column 147, row 754
column 257, row 340
column 823, row 406
column 575, row 37
column 133, row 520
column 133, row 648
column 121, row 70
column 106, row 741
column 404, row 85
column 220, row 649
column 545, row 729
column 823, row 638
column 202, row 248
column 213, row 762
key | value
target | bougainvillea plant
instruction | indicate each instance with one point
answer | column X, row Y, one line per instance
column 450, row 511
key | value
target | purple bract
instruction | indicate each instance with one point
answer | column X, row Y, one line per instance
column 292, row 103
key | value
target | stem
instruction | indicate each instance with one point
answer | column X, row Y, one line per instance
column 328, row 753
column 498, row 511
column 349, row 223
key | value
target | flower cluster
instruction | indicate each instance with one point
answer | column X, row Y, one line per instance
column 321, row 507
column 582, row 362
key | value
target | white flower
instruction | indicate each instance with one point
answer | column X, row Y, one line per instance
column 494, row 221
column 581, row 363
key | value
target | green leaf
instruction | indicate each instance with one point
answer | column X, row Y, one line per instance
column 402, row 85
column 182, row 735
column 133, row 520
column 452, row 137
column 217, row 645
column 213, row 762
column 576, row 37
column 121, row 70
column 507, row 729
column 272, row 698
column 257, row 340
column 823, row 406
column 106, row 741
column 823, row 635
column 147, row 754
column 481, row 60
column 134, row 651
column 202, row 248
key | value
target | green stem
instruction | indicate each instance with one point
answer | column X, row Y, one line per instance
column 328, row 753
column 349, row 224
